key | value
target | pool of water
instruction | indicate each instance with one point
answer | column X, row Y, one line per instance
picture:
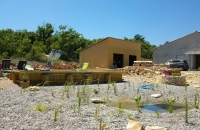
column 148, row 107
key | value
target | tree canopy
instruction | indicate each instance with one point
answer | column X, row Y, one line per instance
column 34, row 45
column 146, row 47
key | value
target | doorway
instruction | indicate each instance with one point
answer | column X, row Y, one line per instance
column 118, row 60
column 131, row 59
column 197, row 61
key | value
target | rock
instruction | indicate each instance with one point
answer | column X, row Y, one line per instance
column 34, row 88
column 134, row 125
column 154, row 128
column 156, row 95
column 97, row 100
column 196, row 86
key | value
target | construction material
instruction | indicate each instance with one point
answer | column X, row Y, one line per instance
column 172, row 80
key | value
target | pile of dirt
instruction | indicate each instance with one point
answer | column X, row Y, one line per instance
column 66, row 65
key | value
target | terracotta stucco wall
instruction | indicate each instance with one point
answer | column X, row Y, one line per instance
column 123, row 47
column 96, row 55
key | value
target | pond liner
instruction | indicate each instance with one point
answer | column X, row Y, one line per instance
column 147, row 86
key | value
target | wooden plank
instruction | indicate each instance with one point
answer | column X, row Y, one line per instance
column 64, row 76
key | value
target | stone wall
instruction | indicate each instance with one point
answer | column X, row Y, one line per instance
column 172, row 80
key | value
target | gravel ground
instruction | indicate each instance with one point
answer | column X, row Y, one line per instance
column 17, row 108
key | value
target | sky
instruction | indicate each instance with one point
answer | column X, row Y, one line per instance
column 158, row 21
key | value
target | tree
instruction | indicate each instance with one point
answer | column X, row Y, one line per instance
column 146, row 47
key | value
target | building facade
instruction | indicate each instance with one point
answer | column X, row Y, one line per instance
column 111, row 52
column 186, row 48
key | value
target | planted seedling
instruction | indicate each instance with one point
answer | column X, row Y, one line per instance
column 53, row 93
column 78, row 92
column 196, row 101
column 96, row 114
column 121, row 111
column 120, row 104
column 67, row 89
column 157, row 113
column 170, row 103
column 79, row 104
column 186, row 110
column 137, row 100
column 63, row 94
column 57, row 112
column 108, row 89
column 96, row 91
column 129, row 116
column 21, row 90
column 102, row 126
column 40, row 107
column 115, row 88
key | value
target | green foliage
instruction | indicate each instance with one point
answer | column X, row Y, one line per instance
column 146, row 47
column 137, row 100
column 157, row 113
column 34, row 45
column 40, row 107
column 36, row 53
column 96, row 91
column 170, row 103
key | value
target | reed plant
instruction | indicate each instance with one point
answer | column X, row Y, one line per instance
column 78, row 92
column 79, row 104
column 170, row 103
column 108, row 88
column 53, row 93
column 102, row 126
column 120, row 104
column 196, row 101
column 186, row 110
column 186, row 102
column 137, row 100
column 57, row 112
column 67, row 89
column 114, row 88
column 157, row 113
column 96, row 113
column 63, row 94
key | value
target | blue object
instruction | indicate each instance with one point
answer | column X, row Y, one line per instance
column 147, row 86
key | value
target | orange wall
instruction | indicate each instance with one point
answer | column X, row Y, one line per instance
column 96, row 55
column 123, row 47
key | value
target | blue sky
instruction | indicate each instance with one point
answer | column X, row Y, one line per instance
column 157, row 20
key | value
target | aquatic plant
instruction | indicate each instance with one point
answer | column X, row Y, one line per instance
column 137, row 100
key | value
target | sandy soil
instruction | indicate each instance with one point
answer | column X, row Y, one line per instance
column 5, row 83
